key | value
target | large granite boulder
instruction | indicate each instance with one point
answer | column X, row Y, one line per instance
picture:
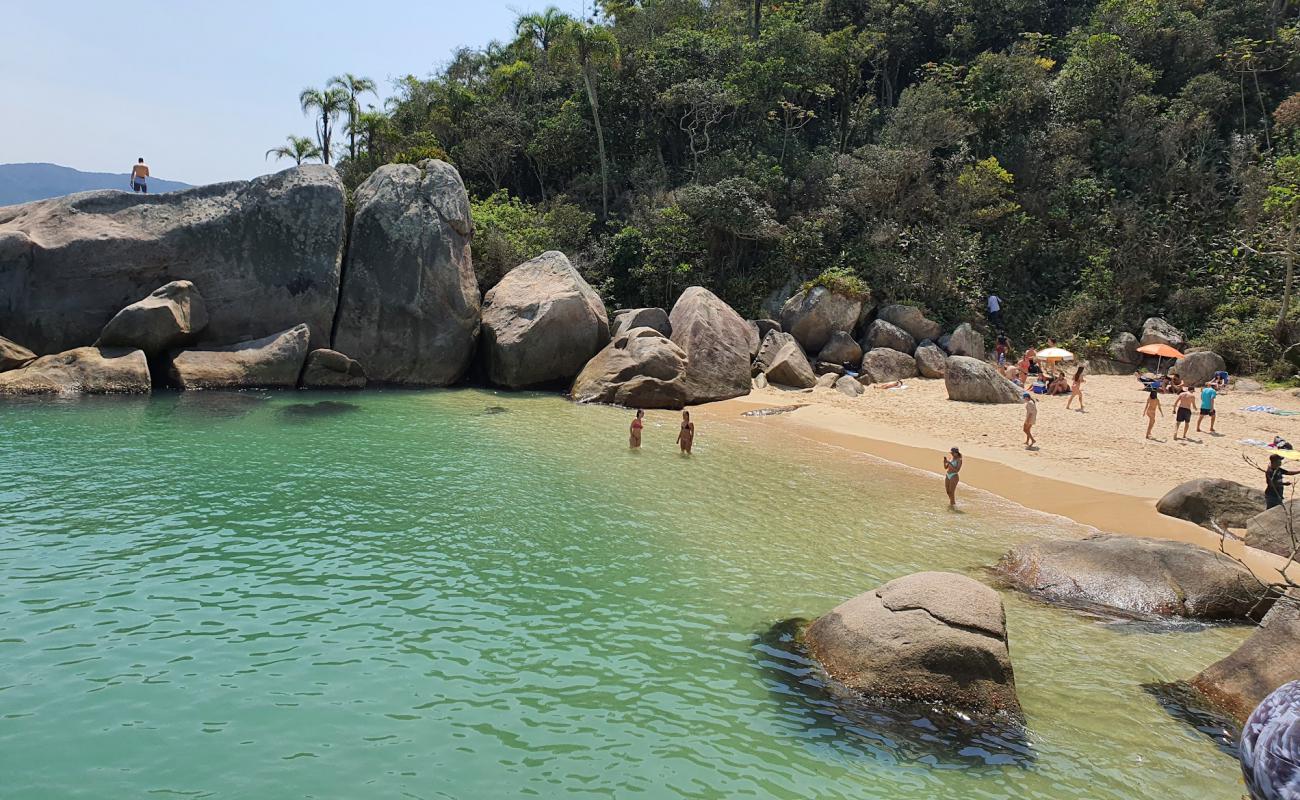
column 930, row 360
column 1198, row 368
column 885, row 334
column 1268, row 659
column 1276, row 530
column 330, row 369
column 625, row 319
column 409, row 303
column 272, row 362
column 765, row 326
column 849, row 386
column 812, row 316
column 1156, row 331
column 1213, row 503
column 84, row 370
column 542, row 323
column 1123, row 347
column 883, row 365
column 912, row 320
column 716, row 342
column 14, row 355
column 966, row 341
column 783, row 362
column 1269, row 746
column 640, row 368
column 931, row 637
column 841, row 349
column 1136, row 577
column 266, row 253
column 172, row 315
column 973, row 381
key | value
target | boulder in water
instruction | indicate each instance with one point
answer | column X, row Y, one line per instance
column 811, row 316
column 884, row 334
column 910, row 319
column 883, row 365
column 716, row 341
column 930, row 360
column 330, row 369
column 640, row 368
column 265, row 252
column 1197, row 369
column 966, row 341
column 1156, row 331
column 409, row 304
column 1135, row 577
column 1213, row 503
column 931, row 637
column 973, row 381
column 841, row 349
column 1268, row 659
column 83, row 370
column 542, row 323
column 14, row 355
column 272, row 362
column 625, row 319
column 172, row 315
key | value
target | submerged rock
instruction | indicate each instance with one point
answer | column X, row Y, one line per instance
column 972, row 381
column 83, row 370
column 272, row 362
column 330, row 369
column 931, row 637
column 172, row 315
column 303, row 412
column 1269, row 658
column 1134, row 576
column 639, row 369
column 716, row 342
column 1213, row 503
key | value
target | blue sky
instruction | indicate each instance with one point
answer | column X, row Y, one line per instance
column 204, row 89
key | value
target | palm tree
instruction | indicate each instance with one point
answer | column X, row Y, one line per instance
column 354, row 87
column 299, row 148
column 543, row 28
column 328, row 104
column 591, row 45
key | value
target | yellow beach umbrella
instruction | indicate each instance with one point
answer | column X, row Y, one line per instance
column 1293, row 455
column 1055, row 354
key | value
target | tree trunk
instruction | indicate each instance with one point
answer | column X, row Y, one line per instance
column 1282, row 327
column 600, row 142
column 325, row 136
column 758, row 18
column 352, row 129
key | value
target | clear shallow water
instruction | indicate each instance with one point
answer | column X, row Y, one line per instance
column 400, row 595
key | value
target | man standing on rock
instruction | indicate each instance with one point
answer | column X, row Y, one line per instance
column 140, row 177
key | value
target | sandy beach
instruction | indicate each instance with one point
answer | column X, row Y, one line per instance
column 1094, row 467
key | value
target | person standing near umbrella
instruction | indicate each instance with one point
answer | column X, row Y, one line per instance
column 1183, row 411
column 1076, row 390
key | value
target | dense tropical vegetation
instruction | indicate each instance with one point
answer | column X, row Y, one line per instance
column 1093, row 161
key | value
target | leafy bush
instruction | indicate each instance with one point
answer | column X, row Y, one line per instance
column 841, row 280
column 509, row 231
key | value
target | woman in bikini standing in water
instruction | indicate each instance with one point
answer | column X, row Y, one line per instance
column 952, row 474
column 634, row 437
column 686, row 436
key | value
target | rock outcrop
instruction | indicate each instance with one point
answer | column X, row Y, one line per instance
column 266, row 254
column 272, row 362
column 841, row 349
column 330, row 369
column 1136, row 577
column 1124, row 348
column 1156, row 331
column 930, row 360
column 931, row 637
column 83, row 370
column 849, row 386
column 716, row 342
column 885, row 334
column 965, row 341
column 640, row 368
column 1213, row 503
column 1265, row 661
column 812, row 316
column 542, row 323
column 409, row 302
column 972, row 381
column 172, row 315
column 1198, row 368
column 782, row 360
column 625, row 319
column 883, row 365
column 912, row 320
column 1276, row 530
column 14, row 355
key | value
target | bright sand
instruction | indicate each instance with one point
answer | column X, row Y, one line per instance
column 1094, row 467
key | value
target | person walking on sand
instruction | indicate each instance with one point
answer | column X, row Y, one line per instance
column 1273, row 481
column 952, row 473
column 995, row 310
column 1183, row 411
column 1076, row 389
column 1153, row 406
column 1031, row 416
column 140, row 177
column 1207, row 407
column 686, row 436
column 634, row 437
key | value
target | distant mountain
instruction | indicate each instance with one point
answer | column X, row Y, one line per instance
column 21, row 183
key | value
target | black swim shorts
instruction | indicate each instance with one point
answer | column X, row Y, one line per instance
column 1183, row 415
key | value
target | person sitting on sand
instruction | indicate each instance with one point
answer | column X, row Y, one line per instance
column 1076, row 389
column 1057, row 384
column 1174, row 384
column 634, row 437
column 1273, row 481
column 1013, row 374
column 1031, row 416
column 1183, row 411
column 1207, row 407
column 686, row 436
column 140, row 177
column 1153, row 406
column 952, row 471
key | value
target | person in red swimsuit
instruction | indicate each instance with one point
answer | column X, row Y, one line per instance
column 634, row 438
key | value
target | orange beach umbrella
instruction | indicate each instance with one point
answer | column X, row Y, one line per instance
column 1160, row 351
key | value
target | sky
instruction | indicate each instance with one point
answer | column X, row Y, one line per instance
column 203, row 89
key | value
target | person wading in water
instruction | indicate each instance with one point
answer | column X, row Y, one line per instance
column 686, row 436
column 952, row 474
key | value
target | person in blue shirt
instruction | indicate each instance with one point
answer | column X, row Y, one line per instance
column 1207, row 407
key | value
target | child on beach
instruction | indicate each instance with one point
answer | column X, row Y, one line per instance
column 1153, row 405
column 686, row 436
column 634, row 437
column 952, row 472
column 1031, row 416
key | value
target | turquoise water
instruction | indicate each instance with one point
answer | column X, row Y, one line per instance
column 459, row 594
